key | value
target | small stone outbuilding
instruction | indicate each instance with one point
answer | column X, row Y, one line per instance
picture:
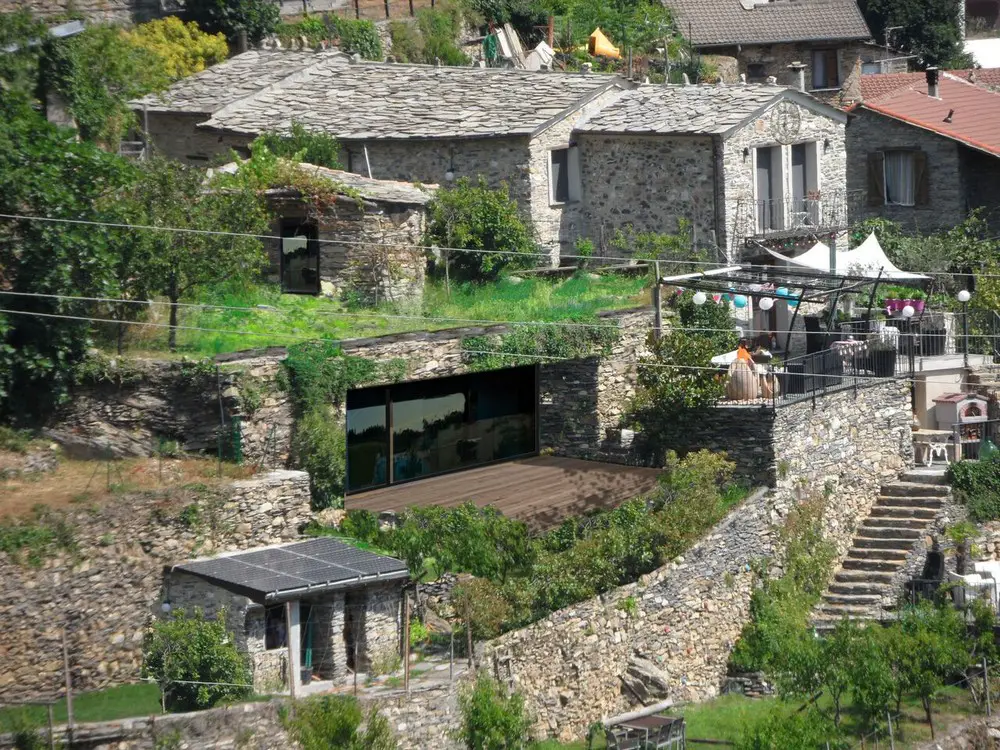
column 365, row 245
column 341, row 605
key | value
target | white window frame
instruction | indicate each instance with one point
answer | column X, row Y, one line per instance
column 573, row 184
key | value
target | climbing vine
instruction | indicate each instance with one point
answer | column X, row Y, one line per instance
column 525, row 345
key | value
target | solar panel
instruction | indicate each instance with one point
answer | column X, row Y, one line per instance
column 323, row 561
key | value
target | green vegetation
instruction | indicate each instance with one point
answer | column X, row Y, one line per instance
column 32, row 540
column 185, row 649
column 19, row 68
column 334, row 722
column 530, row 345
column 432, row 38
column 523, row 578
column 350, row 34
column 182, row 48
column 492, row 719
column 122, row 701
column 977, row 485
column 301, row 144
column 475, row 217
column 928, row 29
column 15, row 441
column 257, row 18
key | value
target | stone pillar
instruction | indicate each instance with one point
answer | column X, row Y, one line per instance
column 382, row 626
column 329, row 648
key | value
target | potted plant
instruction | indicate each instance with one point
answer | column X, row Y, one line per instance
column 881, row 358
column 919, row 300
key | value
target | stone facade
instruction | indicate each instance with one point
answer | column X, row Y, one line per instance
column 105, row 592
column 368, row 249
column 684, row 618
column 177, row 136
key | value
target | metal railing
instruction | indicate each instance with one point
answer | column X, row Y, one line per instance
column 829, row 209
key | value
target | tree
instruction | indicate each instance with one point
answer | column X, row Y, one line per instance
column 631, row 24
column 333, row 722
column 175, row 263
column 186, row 649
column 46, row 172
column 928, row 29
column 808, row 730
column 19, row 67
column 182, row 48
column 97, row 73
column 484, row 220
column 492, row 719
column 257, row 18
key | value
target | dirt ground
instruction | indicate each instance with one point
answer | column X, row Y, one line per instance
column 97, row 482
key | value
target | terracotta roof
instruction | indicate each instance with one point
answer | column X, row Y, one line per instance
column 708, row 23
column 238, row 77
column 368, row 101
column 878, row 85
column 702, row 109
column 974, row 112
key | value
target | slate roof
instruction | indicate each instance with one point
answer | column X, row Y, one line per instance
column 238, row 77
column 692, row 110
column 975, row 111
column 367, row 101
column 288, row 570
column 386, row 191
column 708, row 23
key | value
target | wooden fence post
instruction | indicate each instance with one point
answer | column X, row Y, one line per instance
column 69, row 690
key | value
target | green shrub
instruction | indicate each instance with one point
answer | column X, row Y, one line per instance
column 483, row 603
column 33, row 540
column 191, row 649
column 257, row 17
column 309, row 146
column 320, row 447
column 807, row 730
column 357, row 36
column 361, row 525
column 15, row 441
column 977, row 485
column 477, row 217
column 334, row 722
column 317, row 373
column 419, row 633
column 492, row 719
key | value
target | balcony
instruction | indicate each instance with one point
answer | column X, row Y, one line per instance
column 819, row 211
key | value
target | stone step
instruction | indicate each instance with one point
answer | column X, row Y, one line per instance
column 913, row 489
column 885, row 501
column 885, row 543
column 854, row 590
column 889, row 555
column 925, row 475
column 852, row 600
column 847, row 575
column 874, row 531
column 894, row 522
column 874, row 566
column 855, row 610
column 907, row 511
column 825, row 623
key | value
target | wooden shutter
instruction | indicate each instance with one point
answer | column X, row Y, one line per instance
column 876, row 178
column 832, row 69
column 922, row 188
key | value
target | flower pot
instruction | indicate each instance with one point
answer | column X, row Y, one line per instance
column 918, row 305
column 894, row 305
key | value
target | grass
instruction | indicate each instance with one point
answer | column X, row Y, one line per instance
column 724, row 719
column 123, row 701
column 269, row 318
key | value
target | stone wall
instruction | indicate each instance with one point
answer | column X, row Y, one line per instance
column 191, row 403
column 176, row 135
column 105, row 592
column 650, row 182
column 368, row 250
column 95, row 10
column 870, row 131
column 981, row 179
column 678, row 624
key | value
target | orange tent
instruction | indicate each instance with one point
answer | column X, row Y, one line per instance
column 598, row 44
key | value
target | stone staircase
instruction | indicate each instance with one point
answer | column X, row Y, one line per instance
column 863, row 588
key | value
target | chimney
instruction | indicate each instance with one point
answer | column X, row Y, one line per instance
column 932, row 82
column 799, row 71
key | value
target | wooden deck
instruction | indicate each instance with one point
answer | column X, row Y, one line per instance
column 542, row 491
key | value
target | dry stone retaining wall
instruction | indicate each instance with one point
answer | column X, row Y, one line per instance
column 104, row 593
column 676, row 626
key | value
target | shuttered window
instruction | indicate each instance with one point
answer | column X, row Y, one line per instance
column 564, row 175
column 825, row 70
column 898, row 177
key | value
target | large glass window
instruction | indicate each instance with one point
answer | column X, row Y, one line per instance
column 438, row 426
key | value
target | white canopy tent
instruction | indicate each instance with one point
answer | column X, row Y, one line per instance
column 866, row 260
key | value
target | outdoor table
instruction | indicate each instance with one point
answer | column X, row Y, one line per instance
column 933, row 443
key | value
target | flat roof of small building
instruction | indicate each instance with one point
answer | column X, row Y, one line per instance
column 289, row 571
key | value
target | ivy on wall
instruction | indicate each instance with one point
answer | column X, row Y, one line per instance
column 528, row 345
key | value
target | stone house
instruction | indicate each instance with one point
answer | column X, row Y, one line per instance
column 748, row 165
column 365, row 244
column 826, row 36
column 412, row 123
column 925, row 149
column 315, row 608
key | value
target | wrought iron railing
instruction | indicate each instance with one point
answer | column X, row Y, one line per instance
column 825, row 210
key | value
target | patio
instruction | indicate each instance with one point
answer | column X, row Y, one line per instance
column 542, row 491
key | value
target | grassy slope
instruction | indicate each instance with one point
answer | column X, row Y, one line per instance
column 288, row 318
column 103, row 705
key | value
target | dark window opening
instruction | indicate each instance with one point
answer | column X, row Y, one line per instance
column 299, row 258
column 825, row 70
column 275, row 632
column 559, row 172
column 411, row 430
column 756, row 70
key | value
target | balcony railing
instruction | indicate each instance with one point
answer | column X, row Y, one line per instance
column 818, row 211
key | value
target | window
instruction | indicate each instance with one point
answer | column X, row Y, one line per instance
column 768, row 181
column 275, row 633
column 299, row 258
column 898, row 177
column 870, row 67
column 825, row 70
column 564, row 175
column 417, row 429
column 805, row 185
column 756, row 71
column 356, row 162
